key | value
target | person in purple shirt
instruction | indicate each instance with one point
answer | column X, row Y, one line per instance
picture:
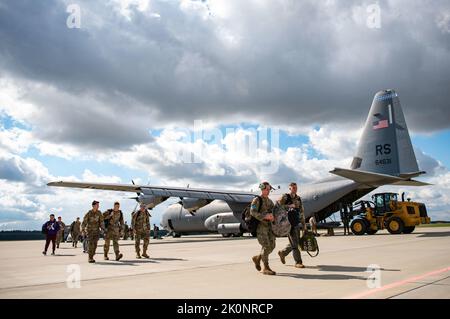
column 50, row 229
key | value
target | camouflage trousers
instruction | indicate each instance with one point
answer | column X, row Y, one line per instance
column 92, row 243
column 113, row 235
column 59, row 237
column 145, row 235
column 266, row 239
column 294, row 241
column 75, row 237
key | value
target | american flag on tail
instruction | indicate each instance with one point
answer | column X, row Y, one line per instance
column 377, row 125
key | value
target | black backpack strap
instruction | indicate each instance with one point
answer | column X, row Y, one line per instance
column 289, row 199
column 260, row 203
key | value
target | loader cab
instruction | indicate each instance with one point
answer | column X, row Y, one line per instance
column 385, row 203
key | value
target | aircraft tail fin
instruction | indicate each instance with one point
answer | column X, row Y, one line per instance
column 385, row 146
column 385, row 154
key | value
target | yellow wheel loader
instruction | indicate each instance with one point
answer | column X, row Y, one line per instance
column 386, row 211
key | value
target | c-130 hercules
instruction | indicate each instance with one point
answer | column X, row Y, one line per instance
column 385, row 156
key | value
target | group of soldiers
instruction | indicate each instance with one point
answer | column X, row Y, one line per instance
column 261, row 208
column 111, row 224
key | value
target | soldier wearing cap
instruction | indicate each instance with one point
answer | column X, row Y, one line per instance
column 60, row 235
column 296, row 215
column 113, row 219
column 75, row 230
column 261, row 209
column 91, row 227
column 140, row 222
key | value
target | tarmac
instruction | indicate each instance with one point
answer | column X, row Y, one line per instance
column 209, row 266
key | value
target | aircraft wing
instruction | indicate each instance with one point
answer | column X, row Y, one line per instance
column 165, row 191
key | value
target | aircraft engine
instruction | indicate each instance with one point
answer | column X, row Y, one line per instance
column 212, row 222
column 151, row 200
column 193, row 204
column 234, row 228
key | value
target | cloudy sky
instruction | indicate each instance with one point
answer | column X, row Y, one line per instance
column 123, row 96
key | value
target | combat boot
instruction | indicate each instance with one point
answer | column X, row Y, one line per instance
column 106, row 257
column 282, row 257
column 138, row 256
column 267, row 270
column 257, row 261
column 299, row 265
column 91, row 261
column 145, row 255
column 118, row 257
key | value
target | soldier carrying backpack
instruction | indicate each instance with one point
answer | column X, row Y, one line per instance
column 261, row 209
column 296, row 216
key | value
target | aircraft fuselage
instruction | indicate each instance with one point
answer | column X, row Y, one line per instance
column 316, row 198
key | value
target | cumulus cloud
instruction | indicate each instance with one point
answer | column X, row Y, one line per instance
column 14, row 140
column 136, row 65
column 218, row 165
column 26, row 201
column 309, row 62
column 28, row 170
column 25, row 208
column 240, row 159
column 428, row 164
column 335, row 142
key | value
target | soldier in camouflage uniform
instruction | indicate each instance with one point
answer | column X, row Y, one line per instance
column 264, row 233
column 296, row 215
column 140, row 222
column 91, row 226
column 113, row 219
column 75, row 232
column 60, row 235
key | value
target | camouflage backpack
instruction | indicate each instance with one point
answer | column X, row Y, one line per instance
column 281, row 225
column 251, row 222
